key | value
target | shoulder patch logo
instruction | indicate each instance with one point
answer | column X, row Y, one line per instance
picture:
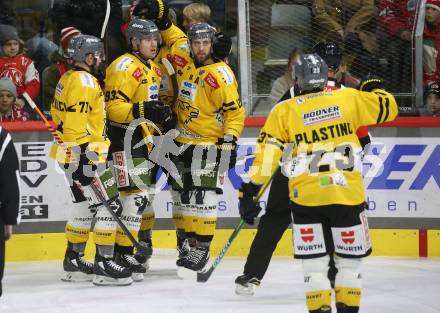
column 137, row 74
column 228, row 77
column 179, row 60
column 211, row 81
column 123, row 64
column 87, row 80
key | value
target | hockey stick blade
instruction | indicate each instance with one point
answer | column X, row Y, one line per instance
column 203, row 276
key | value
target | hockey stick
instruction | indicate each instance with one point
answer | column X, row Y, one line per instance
column 172, row 74
column 202, row 277
column 107, row 15
column 49, row 127
column 142, row 249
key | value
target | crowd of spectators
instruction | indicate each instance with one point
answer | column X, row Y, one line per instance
column 367, row 31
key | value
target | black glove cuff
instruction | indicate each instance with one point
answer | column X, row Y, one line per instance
column 137, row 110
column 251, row 188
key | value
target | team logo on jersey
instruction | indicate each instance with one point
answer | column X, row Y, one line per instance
column 13, row 74
column 300, row 100
column 190, row 111
column 321, row 115
column 179, row 60
column 211, row 81
column 306, row 234
column 137, row 74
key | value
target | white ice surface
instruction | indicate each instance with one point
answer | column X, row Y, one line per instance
column 391, row 285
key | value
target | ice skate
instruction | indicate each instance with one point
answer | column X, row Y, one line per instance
column 129, row 261
column 76, row 269
column 108, row 273
column 245, row 285
column 197, row 259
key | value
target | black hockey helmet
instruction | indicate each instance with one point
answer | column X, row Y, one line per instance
column 330, row 52
column 311, row 72
column 140, row 29
column 201, row 31
column 82, row 45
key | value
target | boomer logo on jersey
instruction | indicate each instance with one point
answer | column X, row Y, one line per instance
column 320, row 115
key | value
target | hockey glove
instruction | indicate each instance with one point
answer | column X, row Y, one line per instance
column 86, row 166
column 156, row 10
column 227, row 151
column 371, row 82
column 169, row 123
column 154, row 111
column 246, row 196
column 221, row 48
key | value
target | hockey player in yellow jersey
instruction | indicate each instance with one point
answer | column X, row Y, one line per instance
column 131, row 93
column 210, row 117
column 210, row 120
column 78, row 112
column 314, row 135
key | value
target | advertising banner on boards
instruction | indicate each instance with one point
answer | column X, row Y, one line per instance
column 402, row 179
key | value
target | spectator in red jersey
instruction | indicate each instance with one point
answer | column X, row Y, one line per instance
column 431, row 42
column 16, row 66
column 9, row 110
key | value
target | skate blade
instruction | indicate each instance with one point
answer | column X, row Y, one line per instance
column 99, row 280
column 137, row 277
column 76, row 277
column 185, row 273
column 146, row 265
column 245, row 291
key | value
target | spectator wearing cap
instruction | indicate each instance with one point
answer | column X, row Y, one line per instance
column 61, row 62
column 432, row 104
column 9, row 110
column 16, row 66
column 431, row 42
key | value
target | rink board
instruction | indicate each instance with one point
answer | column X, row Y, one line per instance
column 402, row 195
column 386, row 242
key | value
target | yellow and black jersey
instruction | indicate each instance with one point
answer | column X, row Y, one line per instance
column 208, row 104
column 166, row 91
column 317, row 133
column 128, row 82
column 77, row 111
